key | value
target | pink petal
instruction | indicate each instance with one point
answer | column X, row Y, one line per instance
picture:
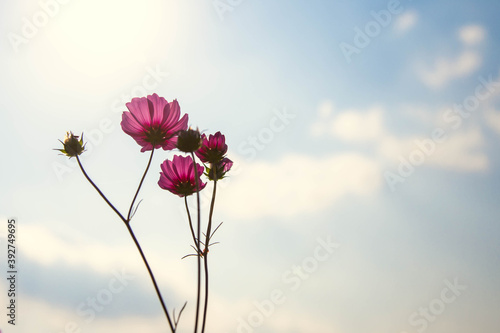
column 159, row 106
column 167, row 168
column 146, row 147
column 170, row 143
column 130, row 125
column 181, row 124
column 139, row 109
column 174, row 113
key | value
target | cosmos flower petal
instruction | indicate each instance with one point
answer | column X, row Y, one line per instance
column 177, row 176
column 173, row 113
column 160, row 108
column 130, row 125
column 170, row 143
column 153, row 122
column 182, row 124
column 213, row 149
column 139, row 109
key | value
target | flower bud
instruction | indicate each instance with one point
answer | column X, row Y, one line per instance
column 189, row 140
column 72, row 146
column 219, row 170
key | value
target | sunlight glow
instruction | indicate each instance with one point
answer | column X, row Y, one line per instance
column 96, row 42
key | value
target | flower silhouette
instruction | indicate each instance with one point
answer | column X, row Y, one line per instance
column 189, row 141
column 153, row 122
column 212, row 148
column 178, row 176
column 218, row 170
column 72, row 146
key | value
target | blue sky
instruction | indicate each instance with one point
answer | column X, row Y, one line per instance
column 364, row 192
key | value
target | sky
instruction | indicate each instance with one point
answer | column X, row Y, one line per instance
column 363, row 196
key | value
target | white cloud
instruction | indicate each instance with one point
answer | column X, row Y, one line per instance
column 406, row 21
column 391, row 147
column 223, row 317
column 349, row 125
column 472, row 34
column 325, row 110
column 45, row 318
column 69, row 249
column 285, row 322
column 462, row 151
column 445, row 69
column 469, row 60
column 356, row 126
column 45, row 247
column 493, row 120
column 298, row 184
column 491, row 112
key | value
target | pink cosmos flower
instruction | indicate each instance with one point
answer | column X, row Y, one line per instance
column 153, row 122
column 177, row 176
column 212, row 149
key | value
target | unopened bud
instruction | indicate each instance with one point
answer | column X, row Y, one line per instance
column 72, row 145
column 189, row 140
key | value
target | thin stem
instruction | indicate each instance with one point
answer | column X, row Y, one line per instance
column 179, row 316
column 172, row 328
column 205, row 258
column 191, row 225
column 99, row 191
column 212, row 204
column 127, row 224
column 205, row 264
column 198, row 293
column 140, row 184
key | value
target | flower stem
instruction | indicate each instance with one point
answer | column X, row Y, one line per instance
column 205, row 264
column 205, row 258
column 191, row 225
column 139, row 187
column 129, row 228
column 165, row 310
column 198, row 293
